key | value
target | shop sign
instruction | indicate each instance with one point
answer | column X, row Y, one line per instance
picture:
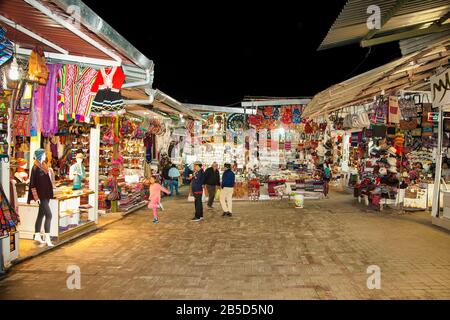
column 433, row 116
column 440, row 89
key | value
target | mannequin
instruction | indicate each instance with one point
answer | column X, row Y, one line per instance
column 77, row 172
column 21, row 173
column 41, row 191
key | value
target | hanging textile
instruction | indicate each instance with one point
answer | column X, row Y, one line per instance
column 46, row 104
column 8, row 216
column 296, row 115
column 6, row 47
column 108, row 100
column 74, row 92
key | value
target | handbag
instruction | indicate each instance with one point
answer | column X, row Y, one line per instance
column 408, row 124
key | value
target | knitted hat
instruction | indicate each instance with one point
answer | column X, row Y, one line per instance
column 38, row 154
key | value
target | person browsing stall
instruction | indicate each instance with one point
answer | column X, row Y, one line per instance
column 226, row 194
column 212, row 181
column 197, row 183
column 174, row 175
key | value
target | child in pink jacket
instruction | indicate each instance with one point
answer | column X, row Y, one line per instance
column 155, row 197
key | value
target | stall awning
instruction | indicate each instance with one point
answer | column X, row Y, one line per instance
column 411, row 72
column 69, row 31
column 161, row 102
column 400, row 19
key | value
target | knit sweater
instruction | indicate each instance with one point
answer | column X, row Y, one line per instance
column 41, row 186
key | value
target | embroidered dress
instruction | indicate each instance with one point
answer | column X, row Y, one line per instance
column 108, row 100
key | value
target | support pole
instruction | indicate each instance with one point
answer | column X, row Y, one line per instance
column 114, row 204
column 94, row 158
column 438, row 172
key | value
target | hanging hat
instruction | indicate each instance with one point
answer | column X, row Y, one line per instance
column 79, row 156
column 392, row 151
column 38, row 154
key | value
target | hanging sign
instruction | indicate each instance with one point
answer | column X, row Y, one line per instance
column 433, row 116
column 440, row 89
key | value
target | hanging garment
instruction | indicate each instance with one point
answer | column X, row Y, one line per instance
column 37, row 69
column 46, row 103
column 74, row 92
column 108, row 100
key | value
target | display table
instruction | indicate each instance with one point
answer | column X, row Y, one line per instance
column 67, row 218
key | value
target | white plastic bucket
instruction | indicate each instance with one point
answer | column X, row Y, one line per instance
column 299, row 200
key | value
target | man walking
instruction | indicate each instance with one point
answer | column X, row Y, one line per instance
column 226, row 194
column 197, row 190
column 212, row 181
column 174, row 176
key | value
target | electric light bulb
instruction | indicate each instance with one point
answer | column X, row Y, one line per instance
column 13, row 73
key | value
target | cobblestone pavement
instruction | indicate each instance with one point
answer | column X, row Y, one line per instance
column 267, row 250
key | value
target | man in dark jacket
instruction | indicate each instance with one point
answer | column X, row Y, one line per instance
column 212, row 181
column 197, row 190
column 226, row 194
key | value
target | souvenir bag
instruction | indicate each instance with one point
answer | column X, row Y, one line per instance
column 394, row 112
column 408, row 124
column 407, row 107
column 380, row 111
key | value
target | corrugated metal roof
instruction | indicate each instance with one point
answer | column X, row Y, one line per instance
column 408, row 46
column 32, row 19
column 350, row 26
column 411, row 71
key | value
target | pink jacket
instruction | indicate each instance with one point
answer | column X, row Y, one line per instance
column 155, row 192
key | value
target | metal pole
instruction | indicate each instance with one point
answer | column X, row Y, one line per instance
column 438, row 171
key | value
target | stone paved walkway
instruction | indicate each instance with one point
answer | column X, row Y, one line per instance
column 268, row 250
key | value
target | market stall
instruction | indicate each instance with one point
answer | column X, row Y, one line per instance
column 391, row 146
column 58, row 80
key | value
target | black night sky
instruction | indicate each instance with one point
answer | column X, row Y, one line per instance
column 217, row 52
